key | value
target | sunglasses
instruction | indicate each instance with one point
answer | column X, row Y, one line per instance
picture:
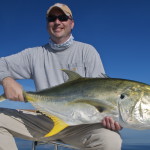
column 62, row 18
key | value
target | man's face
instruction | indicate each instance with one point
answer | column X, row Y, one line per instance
column 59, row 30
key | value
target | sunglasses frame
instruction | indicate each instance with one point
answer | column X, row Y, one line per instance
column 62, row 18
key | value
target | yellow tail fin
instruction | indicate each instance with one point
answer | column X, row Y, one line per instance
column 59, row 125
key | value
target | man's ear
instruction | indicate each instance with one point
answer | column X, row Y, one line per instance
column 72, row 25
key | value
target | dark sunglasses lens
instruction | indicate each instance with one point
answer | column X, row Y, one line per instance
column 60, row 18
column 51, row 18
column 63, row 18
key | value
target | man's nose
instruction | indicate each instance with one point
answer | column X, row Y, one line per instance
column 57, row 21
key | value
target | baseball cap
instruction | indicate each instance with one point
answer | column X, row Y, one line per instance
column 63, row 7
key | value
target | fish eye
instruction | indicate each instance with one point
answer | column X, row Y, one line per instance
column 122, row 96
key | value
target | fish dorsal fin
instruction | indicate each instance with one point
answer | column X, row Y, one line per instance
column 72, row 75
column 59, row 125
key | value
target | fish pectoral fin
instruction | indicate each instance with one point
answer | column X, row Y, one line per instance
column 59, row 125
column 101, row 109
column 101, row 106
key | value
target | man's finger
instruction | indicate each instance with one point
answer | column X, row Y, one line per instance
column 117, row 126
column 21, row 98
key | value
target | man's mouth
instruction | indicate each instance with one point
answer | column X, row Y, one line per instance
column 57, row 29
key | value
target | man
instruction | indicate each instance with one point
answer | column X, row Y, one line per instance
column 43, row 64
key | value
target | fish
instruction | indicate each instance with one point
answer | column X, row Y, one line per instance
column 83, row 100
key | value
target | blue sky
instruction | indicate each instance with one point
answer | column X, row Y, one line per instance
column 118, row 29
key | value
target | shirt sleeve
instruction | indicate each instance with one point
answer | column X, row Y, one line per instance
column 17, row 66
column 93, row 64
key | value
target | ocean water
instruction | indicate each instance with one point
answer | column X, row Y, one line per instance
column 27, row 145
column 136, row 147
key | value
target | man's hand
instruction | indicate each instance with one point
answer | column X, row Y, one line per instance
column 12, row 89
column 109, row 123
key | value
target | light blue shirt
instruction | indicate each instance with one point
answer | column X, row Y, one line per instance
column 43, row 64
